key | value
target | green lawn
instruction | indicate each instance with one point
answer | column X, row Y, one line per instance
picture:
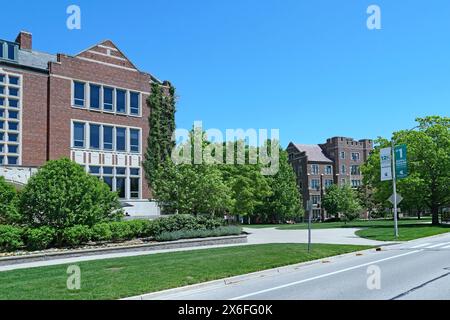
column 382, row 230
column 124, row 277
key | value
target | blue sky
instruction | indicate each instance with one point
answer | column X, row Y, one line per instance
column 309, row 68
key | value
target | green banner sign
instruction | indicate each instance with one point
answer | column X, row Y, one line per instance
column 401, row 162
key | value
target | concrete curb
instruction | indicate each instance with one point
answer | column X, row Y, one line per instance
column 187, row 243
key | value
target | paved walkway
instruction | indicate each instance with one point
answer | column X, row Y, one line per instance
column 338, row 235
column 256, row 236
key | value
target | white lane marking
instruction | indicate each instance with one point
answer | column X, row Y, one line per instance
column 322, row 276
column 446, row 247
column 438, row 245
column 421, row 245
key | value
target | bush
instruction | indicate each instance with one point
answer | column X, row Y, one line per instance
column 121, row 231
column 8, row 203
column 181, row 222
column 141, row 228
column 61, row 194
column 76, row 235
column 102, row 232
column 189, row 234
column 39, row 238
column 10, row 238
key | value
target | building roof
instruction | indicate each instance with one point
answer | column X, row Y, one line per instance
column 314, row 152
column 35, row 59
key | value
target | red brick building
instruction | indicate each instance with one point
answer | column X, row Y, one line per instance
column 89, row 107
column 338, row 161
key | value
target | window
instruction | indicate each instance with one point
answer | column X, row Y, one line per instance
column 79, row 88
column 107, row 138
column 315, row 184
column 134, row 140
column 2, row 76
column 342, row 155
column 134, row 103
column 2, row 125
column 12, row 149
column 315, row 199
column 356, row 183
column 2, row 113
column 12, row 160
column 108, row 99
column 94, row 136
column 2, row 90
column 94, row 96
column 13, row 103
column 2, row 148
column 314, row 169
column 13, row 114
column 343, row 169
column 355, row 170
column 13, row 137
column 1, row 160
column 108, row 170
column 2, row 136
column 14, row 126
column 121, row 182
column 2, row 101
column 1, row 49
column 328, row 183
column 134, row 183
column 120, row 101
column 13, row 92
column 109, row 182
column 120, row 139
column 355, row 156
column 94, row 170
column 14, row 80
column 11, row 51
column 329, row 170
column 78, row 135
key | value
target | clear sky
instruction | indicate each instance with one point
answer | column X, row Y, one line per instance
column 309, row 68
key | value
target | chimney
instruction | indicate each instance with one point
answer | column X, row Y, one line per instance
column 25, row 40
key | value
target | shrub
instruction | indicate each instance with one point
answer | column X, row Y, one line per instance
column 141, row 228
column 8, row 203
column 10, row 238
column 102, row 232
column 184, row 222
column 121, row 231
column 189, row 234
column 61, row 194
column 76, row 235
column 39, row 238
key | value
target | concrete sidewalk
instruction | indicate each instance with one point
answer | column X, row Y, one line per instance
column 332, row 236
column 256, row 236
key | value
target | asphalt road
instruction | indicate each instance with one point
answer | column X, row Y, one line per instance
column 418, row 269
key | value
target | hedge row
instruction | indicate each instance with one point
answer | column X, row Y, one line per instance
column 189, row 234
column 14, row 238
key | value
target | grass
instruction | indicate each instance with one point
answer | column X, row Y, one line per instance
column 382, row 230
column 124, row 277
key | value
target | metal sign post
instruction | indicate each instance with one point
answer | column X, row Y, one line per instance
column 394, row 187
column 309, row 205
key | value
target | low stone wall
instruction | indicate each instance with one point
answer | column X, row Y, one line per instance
column 185, row 243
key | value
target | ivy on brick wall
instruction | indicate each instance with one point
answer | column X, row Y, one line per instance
column 162, row 104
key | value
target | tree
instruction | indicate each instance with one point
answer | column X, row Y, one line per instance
column 429, row 167
column 162, row 104
column 61, row 194
column 8, row 203
column 331, row 200
column 342, row 200
column 285, row 202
